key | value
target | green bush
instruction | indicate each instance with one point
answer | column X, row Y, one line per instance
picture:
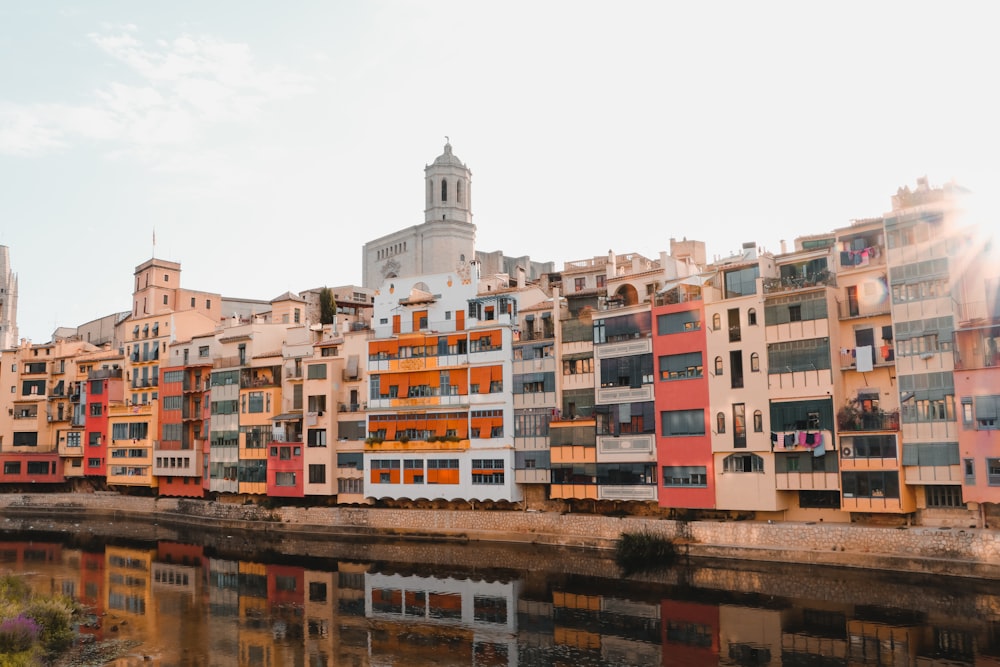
column 644, row 552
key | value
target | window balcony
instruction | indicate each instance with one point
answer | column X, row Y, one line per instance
column 794, row 283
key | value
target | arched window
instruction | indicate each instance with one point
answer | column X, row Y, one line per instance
column 752, row 316
column 430, row 192
column 716, row 322
column 758, row 422
column 720, row 422
column 718, row 365
column 754, row 362
column 459, row 194
column 444, row 190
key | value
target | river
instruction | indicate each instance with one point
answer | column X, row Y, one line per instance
column 202, row 599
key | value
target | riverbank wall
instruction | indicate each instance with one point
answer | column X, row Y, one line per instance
column 973, row 553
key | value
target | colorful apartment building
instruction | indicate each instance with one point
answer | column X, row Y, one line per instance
column 867, row 403
column 683, row 442
column 440, row 410
column 924, row 240
column 739, row 384
column 977, row 376
column 802, row 334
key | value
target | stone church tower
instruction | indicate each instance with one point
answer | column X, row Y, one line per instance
column 8, row 302
column 446, row 239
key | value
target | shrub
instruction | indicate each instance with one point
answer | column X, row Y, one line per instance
column 643, row 552
column 54, row 616
column 18, row 634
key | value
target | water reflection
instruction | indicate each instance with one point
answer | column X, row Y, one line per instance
column 190, row 606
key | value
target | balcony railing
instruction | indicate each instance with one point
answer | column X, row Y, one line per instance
column 352, row 407
column 869, row 421
column 851, row 309
column 792, row 283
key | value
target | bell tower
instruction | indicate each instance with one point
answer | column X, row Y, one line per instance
column 448, row 184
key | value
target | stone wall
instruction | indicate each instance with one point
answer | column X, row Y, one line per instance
column 964, row 552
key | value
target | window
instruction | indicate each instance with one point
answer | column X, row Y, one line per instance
column 682, row 422
column 758, row 422
column 12, row 467
column 350, row 485
column 487, row 471
column 681, row 366
column 743, row 463
column 720, row 422
column 316, row 371
column 944, row 496
column 800, row 355
column 993, row 472
column 718, row 365
column 689, row 320
column 203, row 351
column 580, row 283
column 316, row 437
column 95, row 409
column 739, row 425
column 716, row 322
column 754, row 362
column 930, row 454
column 742, row 282
column 970, row 471
column 284, row 479
column 255, row 402
column 317, row 473
column 797, row 308
column 987, row 408
column 685, row 476
column 74, row 439
column 752, row 317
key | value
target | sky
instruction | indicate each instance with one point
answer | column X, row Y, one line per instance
column 264, row 143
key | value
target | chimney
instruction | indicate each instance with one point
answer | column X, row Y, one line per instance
column 520, row 277
column 783, row 248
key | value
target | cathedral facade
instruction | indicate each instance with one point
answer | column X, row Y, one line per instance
column 446, row 239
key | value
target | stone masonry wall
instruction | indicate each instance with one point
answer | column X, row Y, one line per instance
column 972, row 552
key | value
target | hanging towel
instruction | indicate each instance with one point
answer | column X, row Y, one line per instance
column 802, row 437
column 820, row 450
column 774, row 438
column 789, row 440
column 864, row 358
column 810, row 439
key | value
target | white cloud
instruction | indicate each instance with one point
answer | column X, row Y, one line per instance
column 170, row 94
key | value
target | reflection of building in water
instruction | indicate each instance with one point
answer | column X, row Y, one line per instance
column 318, row 611
column 749, row 635
column 352, row 625
column 128, row 591
column 815, row 635
column 223, row 606
column 255, row 639
column 690, row 632
column 421, row 616
column 617, row 630
column 286, row 598
column 177, row 596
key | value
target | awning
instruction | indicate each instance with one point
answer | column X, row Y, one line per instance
column 288, row 417
column 695, row 281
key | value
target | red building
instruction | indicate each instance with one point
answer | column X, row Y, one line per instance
column 683, row 442
column 185, row 410
column 690, row 633
column 37, row 468
column 284, row 470
column 101, row 388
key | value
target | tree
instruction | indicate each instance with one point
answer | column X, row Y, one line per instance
column 327, row 306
